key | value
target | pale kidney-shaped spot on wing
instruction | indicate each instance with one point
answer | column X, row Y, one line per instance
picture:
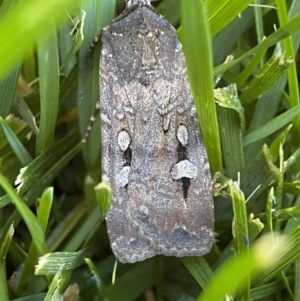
column 124, row 140
column 123, row 176
column 184, row 169
column 182, row 135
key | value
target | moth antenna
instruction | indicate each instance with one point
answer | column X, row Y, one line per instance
column 92, row 120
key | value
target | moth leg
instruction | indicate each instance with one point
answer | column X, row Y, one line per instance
column 97, row 38
column 92, row 120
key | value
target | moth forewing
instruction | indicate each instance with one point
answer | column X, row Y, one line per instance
column 152, row 150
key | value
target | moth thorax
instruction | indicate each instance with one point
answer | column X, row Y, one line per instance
column 130, row 3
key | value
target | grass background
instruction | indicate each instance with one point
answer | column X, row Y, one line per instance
column 249, row 114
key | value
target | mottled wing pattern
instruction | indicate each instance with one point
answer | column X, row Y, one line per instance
column 116, row 119
column 152, row 150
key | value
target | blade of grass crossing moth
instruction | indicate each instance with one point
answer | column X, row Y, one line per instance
column 48, row 62
column 198, row 53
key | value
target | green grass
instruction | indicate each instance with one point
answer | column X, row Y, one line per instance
column 53, row 237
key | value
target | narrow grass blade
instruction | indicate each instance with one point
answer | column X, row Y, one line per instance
column 272, row 126
column 30, row 219
column 197, row 49
column 49, row 89
column 51, row 262
column 16, row 144
column 199, row 268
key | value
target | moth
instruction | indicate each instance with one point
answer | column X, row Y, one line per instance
column 153, row 154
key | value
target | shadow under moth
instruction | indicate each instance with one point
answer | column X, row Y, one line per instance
column 153, row 154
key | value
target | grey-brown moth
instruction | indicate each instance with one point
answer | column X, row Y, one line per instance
column 153, row 154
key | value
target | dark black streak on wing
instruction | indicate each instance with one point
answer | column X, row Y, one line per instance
column 186, row 182
column 181, row 151
column 127, row 156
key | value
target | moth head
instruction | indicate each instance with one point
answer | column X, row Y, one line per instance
column 131, row 3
